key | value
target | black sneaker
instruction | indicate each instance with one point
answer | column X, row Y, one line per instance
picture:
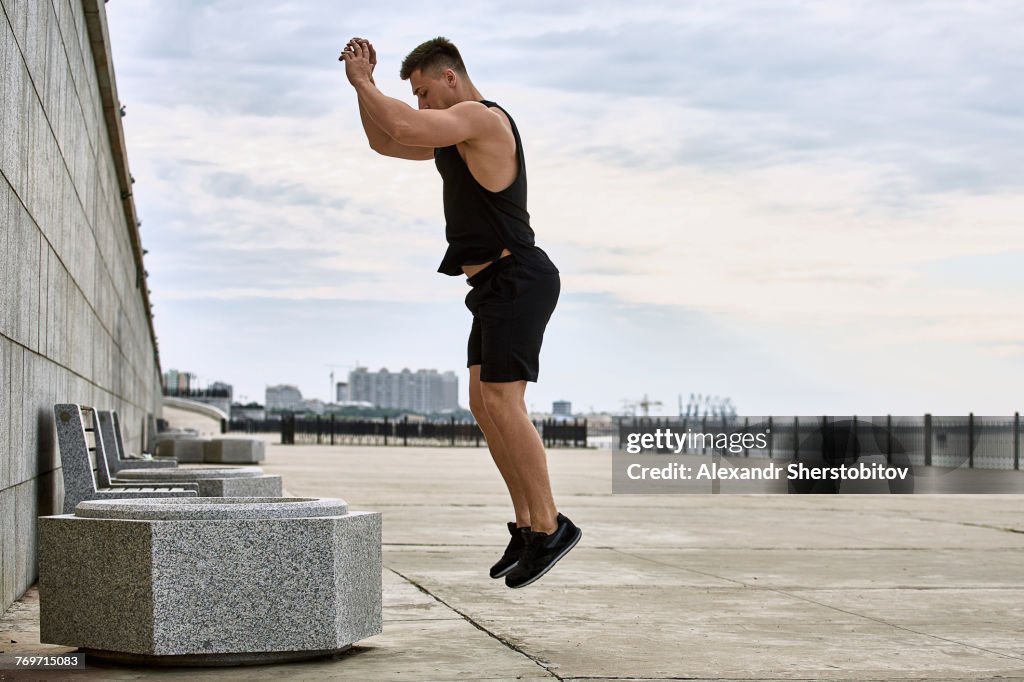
column 512, row 553
column 543, row 551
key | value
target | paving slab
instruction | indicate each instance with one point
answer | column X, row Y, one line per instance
column 849, row 568
column 715, row 587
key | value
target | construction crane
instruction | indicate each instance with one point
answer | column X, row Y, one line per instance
column 711, row 406
column 645, row 404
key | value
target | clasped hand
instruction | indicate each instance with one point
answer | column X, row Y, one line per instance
column 360, row 58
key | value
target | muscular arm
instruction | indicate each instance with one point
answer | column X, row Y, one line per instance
column 426, row 128
column 380, row 141
column 384, row 144
column 400, row 123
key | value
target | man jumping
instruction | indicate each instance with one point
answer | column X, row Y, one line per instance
column 477, row 149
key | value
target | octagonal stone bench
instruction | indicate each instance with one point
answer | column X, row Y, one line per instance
column 210, row 581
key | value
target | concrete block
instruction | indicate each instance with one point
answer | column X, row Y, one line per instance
column 101, row 370
column 81, row 35
column 17, row 14
column 234, row 451
column 43, row 447
column 25, row 521
column 34, row 47
column 6, row 196
column 37, row 140
column 78, row 328
column 69, row 32
column 8, row 543
column 23, row 457
column 14, row 90
column 6, row 390
column 149, row 434
column 47, row 87
column 17, row 284
column 86, row 261
column 42, row 283
column 106, row 305
column 212, row 481
column 6, row 48
column 216, row 582
column 185, row 449
column 71, row 211
column 56, row 86
column 11, row 288
column 31, row 274
column 56, row 313
column 17, row 414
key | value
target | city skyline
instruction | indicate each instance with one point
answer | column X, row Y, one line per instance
column 811, row 208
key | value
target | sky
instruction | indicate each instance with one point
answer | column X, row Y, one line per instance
column 811, row 208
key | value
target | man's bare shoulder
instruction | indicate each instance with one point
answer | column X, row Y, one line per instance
column 489, row 123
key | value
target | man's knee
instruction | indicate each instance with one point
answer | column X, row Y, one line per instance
column 477, row 406
column 476, row 399
column 501, row 397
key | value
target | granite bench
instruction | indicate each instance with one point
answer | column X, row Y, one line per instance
column 110, row 428
column 225, row 450
column 78, row 459
column 221, row 450
column 210, row 581
column 229, row 481
column 184, row 447
column 239, row 481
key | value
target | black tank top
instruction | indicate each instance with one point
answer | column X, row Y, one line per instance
column 480, row 223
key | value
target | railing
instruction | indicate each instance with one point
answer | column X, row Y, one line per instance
column 197, row 393
column 329, row 430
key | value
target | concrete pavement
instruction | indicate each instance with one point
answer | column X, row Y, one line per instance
column 918, row 587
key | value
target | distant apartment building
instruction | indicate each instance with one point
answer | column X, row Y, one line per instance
column 425, row 390
column 283, row 397
column 561, row 408
column 178, row 383
column 341, row 392
column 314, row 405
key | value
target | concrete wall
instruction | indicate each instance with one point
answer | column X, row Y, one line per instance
column 75, row 322
column 186, row 414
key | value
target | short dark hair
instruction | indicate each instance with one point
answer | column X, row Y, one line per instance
column 433, row 56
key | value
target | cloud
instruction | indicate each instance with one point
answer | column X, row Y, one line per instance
column 229, row 185
column 817, row 174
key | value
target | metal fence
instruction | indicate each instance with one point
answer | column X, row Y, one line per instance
column 975, row 442
column 330, row 430
column 174, row 392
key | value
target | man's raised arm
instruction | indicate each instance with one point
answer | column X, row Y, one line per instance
column 425, row 129
column 380, row 141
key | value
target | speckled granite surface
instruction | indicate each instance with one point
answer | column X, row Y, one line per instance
column 185, row 449
column 212, row 481
column 234, row 451
column 227, row 576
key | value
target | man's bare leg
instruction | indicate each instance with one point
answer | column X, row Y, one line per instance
column 499, row 452
column 506, row 407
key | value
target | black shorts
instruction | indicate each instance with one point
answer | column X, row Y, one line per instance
column 511, row 305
